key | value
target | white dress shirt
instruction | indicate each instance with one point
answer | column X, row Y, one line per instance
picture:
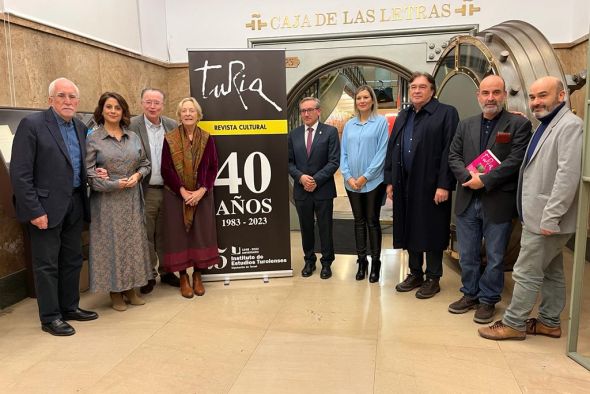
column 156, row 137
column 314, row 127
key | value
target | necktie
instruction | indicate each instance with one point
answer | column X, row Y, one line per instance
column 309, row 140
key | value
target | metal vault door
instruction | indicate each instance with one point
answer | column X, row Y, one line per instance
column 515, row 50
column 520, row 54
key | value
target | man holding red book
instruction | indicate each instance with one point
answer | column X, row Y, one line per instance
column 486, row 202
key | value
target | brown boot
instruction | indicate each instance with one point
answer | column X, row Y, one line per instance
column 185, row 286
column 133, row 298
column 198, row 284
column 535, row 327
column 118, row 303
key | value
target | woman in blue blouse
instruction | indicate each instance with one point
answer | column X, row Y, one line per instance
column 364, row 144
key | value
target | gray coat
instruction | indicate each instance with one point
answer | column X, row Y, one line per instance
column 548, row 183
column 138, row 126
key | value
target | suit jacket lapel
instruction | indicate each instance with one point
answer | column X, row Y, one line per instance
column 316, row 136
column 51, row 123
column 81, row 133
column 144, row 138
column 548, row 131
column 475, row 134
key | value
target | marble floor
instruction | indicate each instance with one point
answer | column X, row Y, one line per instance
column 291, row 335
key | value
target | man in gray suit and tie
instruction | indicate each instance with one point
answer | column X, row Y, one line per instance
column 547, row 204
column 151, row 127
column 485, row 204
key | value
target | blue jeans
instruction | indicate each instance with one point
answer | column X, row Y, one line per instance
column 472, row 226
column 539, row 269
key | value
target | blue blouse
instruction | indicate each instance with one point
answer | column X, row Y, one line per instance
column 363, row 151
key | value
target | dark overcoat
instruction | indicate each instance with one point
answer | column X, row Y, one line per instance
column 418, row 223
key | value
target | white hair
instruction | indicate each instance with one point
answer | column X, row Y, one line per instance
column 61, row 79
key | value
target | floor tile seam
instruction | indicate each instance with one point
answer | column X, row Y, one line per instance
column 266, row 330
column 512, row 372
column 141, row 343
column 322, row 333
column 378, row 343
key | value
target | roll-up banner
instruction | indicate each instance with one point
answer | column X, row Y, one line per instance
column 242, row 93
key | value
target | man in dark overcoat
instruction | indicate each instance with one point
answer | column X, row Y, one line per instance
column 419, row 181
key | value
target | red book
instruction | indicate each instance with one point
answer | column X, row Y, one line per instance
column 484, row 163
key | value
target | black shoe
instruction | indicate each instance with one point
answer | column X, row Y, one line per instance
column 58, row 328
column 463, row 305
column 428, row 289
column 170, row 279
column 326, row 272
column 361, row 273
column 79, row 315
column 148, row 288
column 308, row 269
column 484, row 313
column 375, row 270
column 410, row 283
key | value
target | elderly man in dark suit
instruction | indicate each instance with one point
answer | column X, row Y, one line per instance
column 547, row 204
column 151, row 127
column 49, row 182
column 485, row 203
column 314, row 155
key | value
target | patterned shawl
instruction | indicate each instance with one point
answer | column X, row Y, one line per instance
column 186, row 157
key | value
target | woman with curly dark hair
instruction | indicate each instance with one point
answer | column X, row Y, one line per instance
column 119, row 259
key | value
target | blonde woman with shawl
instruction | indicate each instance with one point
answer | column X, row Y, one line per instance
column 189, row 168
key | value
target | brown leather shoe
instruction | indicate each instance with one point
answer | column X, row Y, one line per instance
column 185, row 286
column 535, row 327
column 499, row 331
column 133, row 298
column 118, row 302
column 198, row 284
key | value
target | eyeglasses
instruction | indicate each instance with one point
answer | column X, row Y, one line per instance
column 307, row 110
column 63, row 96
column 152, row 102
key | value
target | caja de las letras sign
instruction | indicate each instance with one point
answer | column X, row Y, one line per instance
column 385, row 16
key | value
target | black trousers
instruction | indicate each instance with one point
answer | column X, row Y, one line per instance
column 366, row 209
column 434, row 267
column 322, row 209
column 57, row 260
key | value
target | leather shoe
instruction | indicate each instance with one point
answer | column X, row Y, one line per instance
column 171, row 279
column 146, row 289
column 308, row 269
column 326, row 272
column 79, row 315
column 535, row 327
column 58, row 328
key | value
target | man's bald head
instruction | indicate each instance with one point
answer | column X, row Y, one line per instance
column 545, row 94
column 491, row 95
